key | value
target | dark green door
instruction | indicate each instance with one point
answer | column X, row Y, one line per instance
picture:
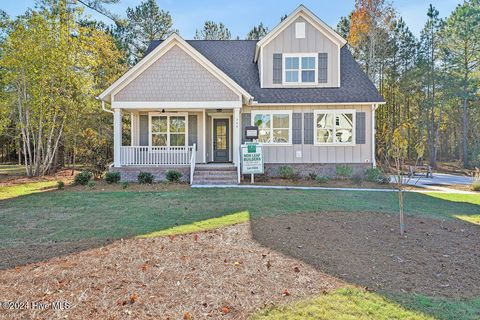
column 220, row 140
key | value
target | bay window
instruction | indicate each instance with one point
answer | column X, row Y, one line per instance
column 300, row 68
column 168, row 130
column 274, row 127
column 334, row 127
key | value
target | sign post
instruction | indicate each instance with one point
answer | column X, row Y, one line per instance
column 252, row 159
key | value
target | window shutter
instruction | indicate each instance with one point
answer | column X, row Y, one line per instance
column 322, row 67
column 308, row 125
column 297, row 128
column 143, row 130
column 360, row 128
column 246, row 121
column 192, row 130
column 277, row 68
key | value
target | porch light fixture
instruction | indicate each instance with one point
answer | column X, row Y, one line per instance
column 163, row 110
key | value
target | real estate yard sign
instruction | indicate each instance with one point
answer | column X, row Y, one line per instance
column 252, row 159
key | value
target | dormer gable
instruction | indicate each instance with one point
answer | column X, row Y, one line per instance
column 301, row 51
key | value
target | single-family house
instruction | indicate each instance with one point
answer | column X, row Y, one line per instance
column 190, row 101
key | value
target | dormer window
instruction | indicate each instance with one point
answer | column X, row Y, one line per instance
column 300, row 68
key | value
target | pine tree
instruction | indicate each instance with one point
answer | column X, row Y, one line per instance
column 257, row 32
column 213, row 31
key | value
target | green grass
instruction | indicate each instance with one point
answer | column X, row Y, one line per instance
column 12, row 169
column 200, row 226
column 343, row 304
column 70, row 216
column 17, row 190
column 441, row 308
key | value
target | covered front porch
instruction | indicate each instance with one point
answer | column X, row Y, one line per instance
column 168, row 137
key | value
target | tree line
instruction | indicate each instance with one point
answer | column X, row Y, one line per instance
column 55, row 59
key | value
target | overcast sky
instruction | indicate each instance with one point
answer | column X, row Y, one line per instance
column 239, row 16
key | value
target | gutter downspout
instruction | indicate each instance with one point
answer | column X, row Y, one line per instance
column 103, row 106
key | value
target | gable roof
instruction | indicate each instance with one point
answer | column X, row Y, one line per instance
column 310, row 17
column 154, row 53
column 236, row 59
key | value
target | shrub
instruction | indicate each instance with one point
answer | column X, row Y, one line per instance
column 145, row 178
column 91, row 184
column 476, row 186
column 374, row 175
column 112, row 177
column 344, row 171
column 357, row 178
column 286, row 172
column 322, row 179
column 312, row 176
column 173, row 175
column 124, row 185
column 60, row 185
column 83, row 177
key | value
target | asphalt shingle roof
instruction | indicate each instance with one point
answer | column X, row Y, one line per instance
column 235, row 58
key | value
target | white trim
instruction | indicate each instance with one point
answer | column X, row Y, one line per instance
column 300, row 30
column 334, row 112
column 272, row 112
column 311, row 18
column 177, row 104
column 215, row 116
column 204, row 136
column 168, row 115
column 256, row 104
column 161, row 49
column 299, row 56
column 374, row 161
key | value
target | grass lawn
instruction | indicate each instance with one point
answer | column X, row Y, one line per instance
column 12, row 170
column 69, row 216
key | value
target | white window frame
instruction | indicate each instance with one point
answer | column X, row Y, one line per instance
column 334, row 112
column 271, row 113
column 299, row 56
column 168, row 115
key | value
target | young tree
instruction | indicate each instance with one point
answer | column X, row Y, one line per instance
column 213, row 31
column 145, row 23
column 461, row 54
column 257, row 32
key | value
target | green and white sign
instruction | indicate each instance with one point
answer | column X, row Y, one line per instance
column 252, row 159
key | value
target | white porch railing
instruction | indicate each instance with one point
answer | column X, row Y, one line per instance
column 153, row 156
column 192, row 163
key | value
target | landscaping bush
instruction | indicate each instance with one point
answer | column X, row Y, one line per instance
column 124, row 185
column 83, row 177
column 312, row 176
column 112, row 177
column 60, row 185
column 91, row 184
column 145, row 178
column 376, row 175
column 286, row 172
column 476, row 186
column 322, row 179
column 173, row 175
column 357, row 178
column 344, row 172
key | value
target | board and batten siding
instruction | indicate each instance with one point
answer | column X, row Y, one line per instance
column 176, row 76
column 314, row 42
column 311, row 153
column 140, row 133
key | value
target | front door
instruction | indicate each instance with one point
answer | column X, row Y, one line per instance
column 220, row 140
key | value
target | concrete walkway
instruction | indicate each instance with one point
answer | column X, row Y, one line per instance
column 253, row 186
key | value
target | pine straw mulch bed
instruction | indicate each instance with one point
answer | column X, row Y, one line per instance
column 219, row 274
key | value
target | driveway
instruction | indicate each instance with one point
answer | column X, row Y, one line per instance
column 440, row 181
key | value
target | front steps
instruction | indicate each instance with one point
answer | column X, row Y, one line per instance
column 215, row 174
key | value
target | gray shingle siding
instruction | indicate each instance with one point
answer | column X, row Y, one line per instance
column 235, row 58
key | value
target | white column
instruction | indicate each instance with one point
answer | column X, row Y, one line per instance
column 236, row 134
column 117, row 136
column 373, row 136
column 204, row 136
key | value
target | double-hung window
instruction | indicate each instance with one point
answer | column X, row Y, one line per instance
column 168, row 130
column 274, row 127
column 300, row 68
column 334, row 127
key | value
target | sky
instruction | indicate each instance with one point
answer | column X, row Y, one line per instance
column 241, row 16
